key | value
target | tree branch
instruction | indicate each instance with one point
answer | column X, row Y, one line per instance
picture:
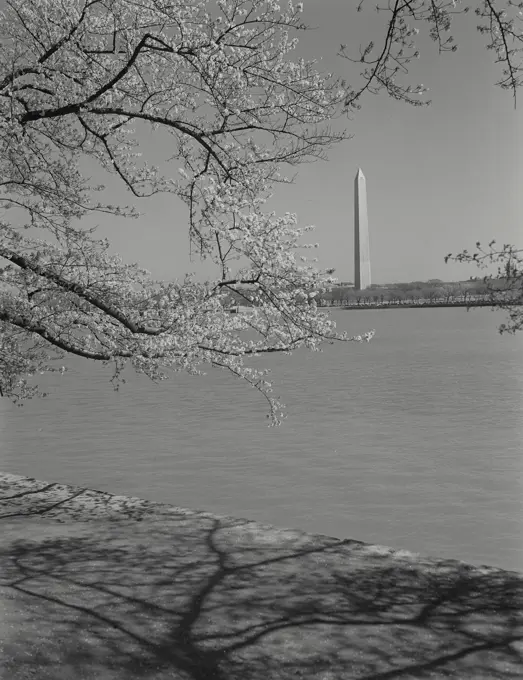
column 77, row 289
column 26, row 325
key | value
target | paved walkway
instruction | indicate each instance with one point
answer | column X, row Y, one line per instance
column 114, row 588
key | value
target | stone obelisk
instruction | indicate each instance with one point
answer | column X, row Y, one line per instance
column 361, row 234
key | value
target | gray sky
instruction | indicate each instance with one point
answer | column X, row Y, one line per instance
column 438, row 179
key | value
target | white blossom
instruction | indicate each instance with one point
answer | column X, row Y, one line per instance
column 88, row 73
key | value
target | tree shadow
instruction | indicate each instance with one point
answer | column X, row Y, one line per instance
column 185, row 595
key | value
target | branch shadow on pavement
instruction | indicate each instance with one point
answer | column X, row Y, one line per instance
column 190, row 596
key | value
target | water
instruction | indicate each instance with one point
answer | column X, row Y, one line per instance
column 414, row 440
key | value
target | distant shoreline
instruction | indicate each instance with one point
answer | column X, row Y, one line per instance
column 410, row 305
column 240, row 309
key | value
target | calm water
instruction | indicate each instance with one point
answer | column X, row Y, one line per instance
column 414, row 440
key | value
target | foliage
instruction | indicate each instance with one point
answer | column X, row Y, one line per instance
column 217, row 81
column 505, row 288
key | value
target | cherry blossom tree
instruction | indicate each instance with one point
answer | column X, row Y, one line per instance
column 77, row 79
column 80, row 80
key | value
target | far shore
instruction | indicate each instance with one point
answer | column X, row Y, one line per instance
column 409, row 305
column 240, row 309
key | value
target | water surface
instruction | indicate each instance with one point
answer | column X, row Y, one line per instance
column 413, row 440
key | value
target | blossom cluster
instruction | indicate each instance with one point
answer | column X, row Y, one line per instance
column 217, row 81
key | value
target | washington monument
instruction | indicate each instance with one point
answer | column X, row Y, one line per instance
column 361, row 234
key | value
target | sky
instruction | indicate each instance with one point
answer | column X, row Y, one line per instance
column 438, row 178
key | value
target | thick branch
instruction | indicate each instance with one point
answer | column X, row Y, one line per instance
column 232, row 282
column 77, row 289
column 117, row 111
column 26, row 325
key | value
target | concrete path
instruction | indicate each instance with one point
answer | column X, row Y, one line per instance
column 114, row 588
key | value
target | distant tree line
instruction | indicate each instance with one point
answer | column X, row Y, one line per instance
column 433, row 291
